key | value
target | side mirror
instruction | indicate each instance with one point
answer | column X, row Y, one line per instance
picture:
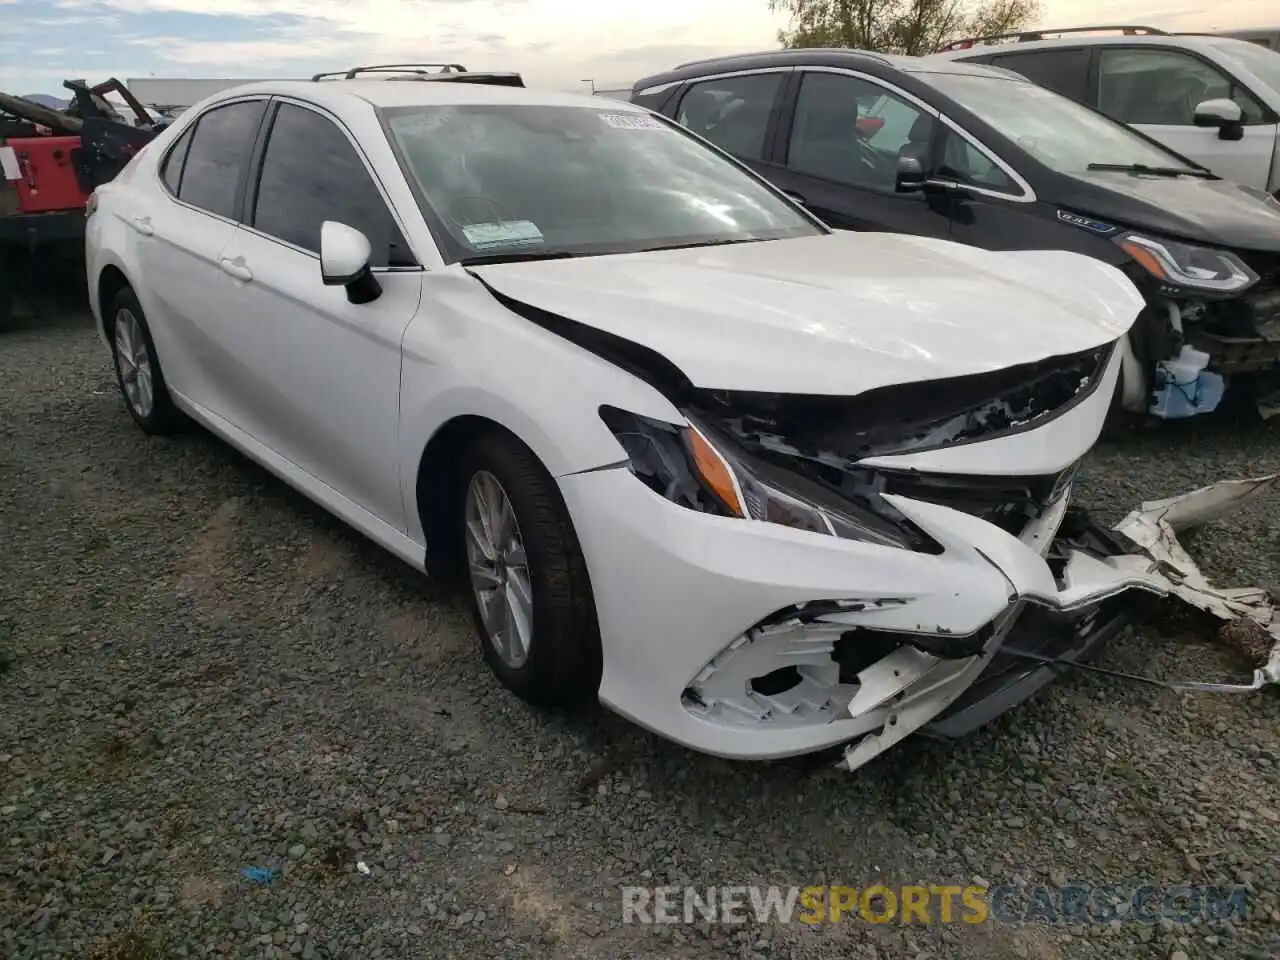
column 1224, row 114
column 344, row 262
column 910, row 175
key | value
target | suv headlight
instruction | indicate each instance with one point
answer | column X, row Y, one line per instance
column 685, row 465
column 1184, row 265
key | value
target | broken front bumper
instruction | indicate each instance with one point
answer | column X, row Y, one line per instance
column 750, row 640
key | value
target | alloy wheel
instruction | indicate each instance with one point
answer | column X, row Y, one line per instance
column 133, row 362
column 498, row 567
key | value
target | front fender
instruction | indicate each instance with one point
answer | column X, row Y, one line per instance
column 470, row 356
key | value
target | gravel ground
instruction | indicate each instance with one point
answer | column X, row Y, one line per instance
column 201, row 672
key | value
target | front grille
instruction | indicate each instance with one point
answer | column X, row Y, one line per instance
column 1010, row 503
column 911, row 417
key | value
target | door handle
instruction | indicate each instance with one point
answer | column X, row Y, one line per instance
column 236, row 269
column 143, row 226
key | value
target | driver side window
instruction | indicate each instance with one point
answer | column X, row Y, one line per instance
column 965, row 163
column 1162, row 87
column 852, row 131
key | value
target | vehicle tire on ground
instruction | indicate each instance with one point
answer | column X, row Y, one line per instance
column 530, row 594
column 138, row 373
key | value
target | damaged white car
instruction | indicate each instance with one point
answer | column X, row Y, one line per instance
column 763, row 488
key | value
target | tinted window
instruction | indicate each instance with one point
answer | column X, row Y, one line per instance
column 853, row 131
column 311, row 173
column 172, row 171
column 218, row 154
column 732, row 113
column 964, row 162
column 1063, row 71
column 517, row 178
column 1163, row 87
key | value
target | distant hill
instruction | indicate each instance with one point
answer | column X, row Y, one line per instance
column 51, row 103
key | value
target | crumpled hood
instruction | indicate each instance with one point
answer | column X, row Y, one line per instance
column 838, row 314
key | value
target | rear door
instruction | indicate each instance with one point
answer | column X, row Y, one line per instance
column 318, row 377
column 179, row 242
column 1063, row 70
column 841, row 138
column 1156, row 89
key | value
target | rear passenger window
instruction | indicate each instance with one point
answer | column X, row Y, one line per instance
column 218, row 154
column 1062, row 71
column 311, row 173
column 733, row 113
column 172, row 170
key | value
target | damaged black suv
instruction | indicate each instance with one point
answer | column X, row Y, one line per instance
column 983, row 156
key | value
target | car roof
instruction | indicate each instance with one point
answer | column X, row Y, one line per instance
column 878, row 64
column 1184, row 40
column 401, row 92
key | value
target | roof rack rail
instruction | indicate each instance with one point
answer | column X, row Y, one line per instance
column 1128, row 30
column 797, row 52
column 417, row 69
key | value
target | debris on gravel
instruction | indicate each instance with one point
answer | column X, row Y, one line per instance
column 229, row 726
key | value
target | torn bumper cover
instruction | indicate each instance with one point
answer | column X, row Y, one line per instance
column 1144, row 546
column 771, row 654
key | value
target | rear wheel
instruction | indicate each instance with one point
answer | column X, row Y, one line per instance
column 138, row 372
column 530, row 595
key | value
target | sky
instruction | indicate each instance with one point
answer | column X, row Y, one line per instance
column 556, row 44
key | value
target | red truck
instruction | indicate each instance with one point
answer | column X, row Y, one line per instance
column 51, row 161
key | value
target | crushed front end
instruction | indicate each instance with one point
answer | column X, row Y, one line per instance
column 841, row 571
column 1195, row 344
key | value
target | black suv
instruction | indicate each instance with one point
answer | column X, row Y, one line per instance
column 983, row 156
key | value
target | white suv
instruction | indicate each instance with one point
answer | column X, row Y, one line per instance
column 1210, row 98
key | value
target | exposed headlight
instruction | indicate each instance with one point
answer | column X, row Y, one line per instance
column 685, row 465
column 1184, row 265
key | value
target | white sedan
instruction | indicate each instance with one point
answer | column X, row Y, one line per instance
column 763, row 488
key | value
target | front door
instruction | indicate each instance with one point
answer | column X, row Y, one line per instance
column 320, row 376
column 843, row 138
column 1156, row 91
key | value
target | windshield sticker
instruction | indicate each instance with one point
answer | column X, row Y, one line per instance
column 631, row 121
column 424, row 122
column 506, row 233
column 1097, row 226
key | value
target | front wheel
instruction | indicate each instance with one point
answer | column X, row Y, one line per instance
column 138, row 373
column 530, row 595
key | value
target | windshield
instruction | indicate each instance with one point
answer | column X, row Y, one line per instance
column 1062, row 134
column 1257, row 59
column 528, row 180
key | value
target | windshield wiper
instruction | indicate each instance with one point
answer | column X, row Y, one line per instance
column 1153, row 171
column 513, row 256
column 704, row 243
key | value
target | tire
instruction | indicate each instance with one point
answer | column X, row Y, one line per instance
column 138, row 373
column 560, row 664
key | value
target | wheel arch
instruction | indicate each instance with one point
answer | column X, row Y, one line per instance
column 437, row 481
column 111, row 280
